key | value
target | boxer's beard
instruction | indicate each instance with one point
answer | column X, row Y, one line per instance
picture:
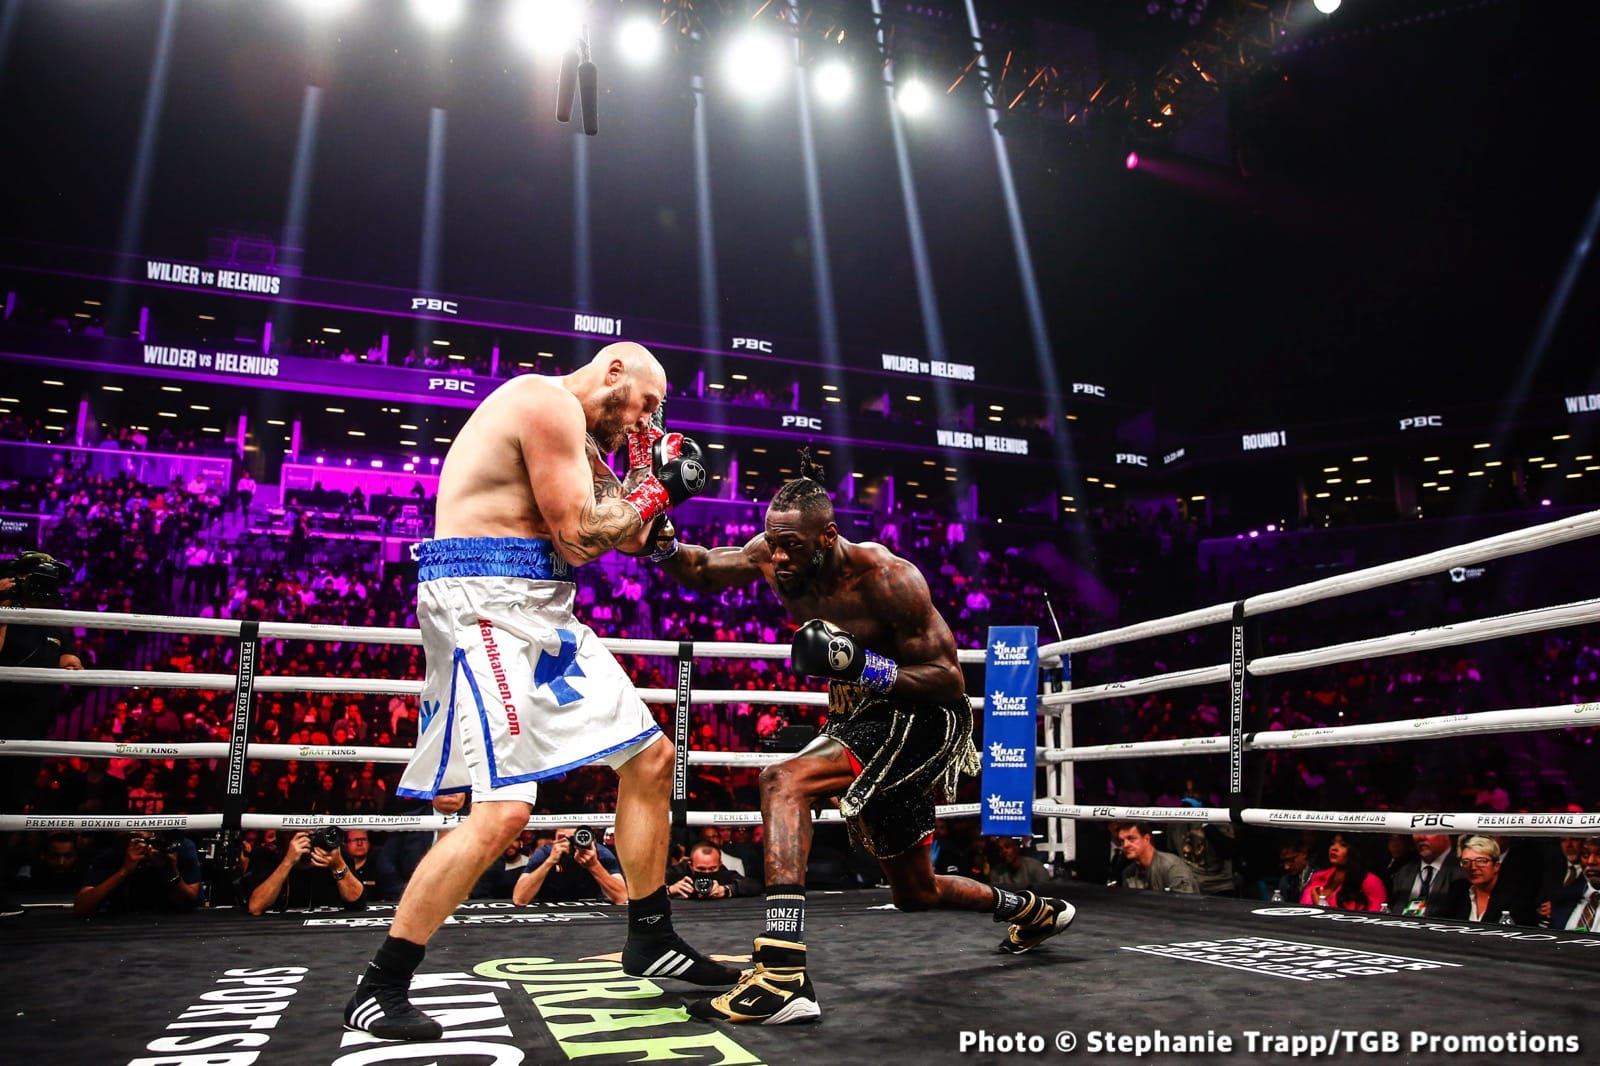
column 610, row 430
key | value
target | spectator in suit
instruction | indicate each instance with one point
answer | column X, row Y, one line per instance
column 1576, row 908
column 1480, row 897
column 1420, row 887
column 402, row 851
column 1401, row 851
column 1149, row 868
column 1563, row 869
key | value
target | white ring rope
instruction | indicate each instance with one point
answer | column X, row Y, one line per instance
column 1521, row 720
column 1516, row 542
column 389, row 822
column 211, row 749
column 1407, row 822
column 1139, row 686
column 1481, row 629
column 1524, row 719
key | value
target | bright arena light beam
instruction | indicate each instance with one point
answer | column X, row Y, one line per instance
column 326, row 10
column 755, row 64
column 914, row 98
column 544, row 28
column 440, row 15
column 639, row 40
column 833, row 82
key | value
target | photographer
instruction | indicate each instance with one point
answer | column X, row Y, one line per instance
column 705, row 877
column 144, row 871
column 312, row 872
column 575, row 866
column 32, row 579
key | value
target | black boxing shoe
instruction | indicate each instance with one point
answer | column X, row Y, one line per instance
column 1042, row 918
column 383, row 1009
column 671, row 956
column 776, row 991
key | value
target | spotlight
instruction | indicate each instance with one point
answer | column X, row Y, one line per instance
column 914, row 98
column 639, row 40
column 833, row 81
column 755, row 63
column 438, row 14
column 543, row 27
column 1327, row 7
column 326, row 9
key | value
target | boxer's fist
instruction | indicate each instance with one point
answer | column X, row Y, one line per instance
column 642, row 443
column 677, row 474
column 822, row 649
column 679, row 467
column 660, row 543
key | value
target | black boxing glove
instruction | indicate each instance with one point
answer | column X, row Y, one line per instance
column 677, row 475
column 660, row 544
column 822, row 649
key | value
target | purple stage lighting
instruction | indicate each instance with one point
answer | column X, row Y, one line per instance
column 1132, row 162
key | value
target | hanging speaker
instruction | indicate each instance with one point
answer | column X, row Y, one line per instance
column 567, row 86
column 589, row 97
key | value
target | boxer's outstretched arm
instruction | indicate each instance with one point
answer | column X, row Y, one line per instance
column 714, row 569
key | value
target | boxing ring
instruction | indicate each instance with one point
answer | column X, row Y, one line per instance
column 1140, row 976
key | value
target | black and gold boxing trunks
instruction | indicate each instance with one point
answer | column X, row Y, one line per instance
column 911, row 755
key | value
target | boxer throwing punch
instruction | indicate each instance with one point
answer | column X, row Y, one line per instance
column 517, row 689
column 899, row 731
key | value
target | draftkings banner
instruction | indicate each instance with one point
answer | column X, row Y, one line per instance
column 1010, row 706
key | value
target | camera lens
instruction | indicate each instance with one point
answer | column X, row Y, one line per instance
column 583, row 837
column 702, row 885
column 327, row 837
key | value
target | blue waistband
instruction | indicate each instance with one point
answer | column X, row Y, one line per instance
column 490, row 557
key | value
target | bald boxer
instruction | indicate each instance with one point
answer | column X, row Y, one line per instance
column 517, row 689
column 899, row 734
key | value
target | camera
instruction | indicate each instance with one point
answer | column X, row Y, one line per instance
column 582, row 837
column 167, row 843
column 327, row 837
column 38, row 578
column 703, row 887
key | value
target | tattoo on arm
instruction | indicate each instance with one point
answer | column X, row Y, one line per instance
column 602, row 525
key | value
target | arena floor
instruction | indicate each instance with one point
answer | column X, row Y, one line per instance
column 541, row 985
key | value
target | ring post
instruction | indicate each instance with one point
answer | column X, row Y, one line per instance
column 680, row 736
column 249, row 648
column 1061, row 834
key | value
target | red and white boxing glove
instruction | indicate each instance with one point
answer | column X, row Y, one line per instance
column 676, row 475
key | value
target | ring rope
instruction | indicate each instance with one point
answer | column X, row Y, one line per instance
column 390, row 822
column 1523, row 720
column 211, row 749
column 1503, row 625
column 1574, row 527
column 1516, row 623
column 1408, row 822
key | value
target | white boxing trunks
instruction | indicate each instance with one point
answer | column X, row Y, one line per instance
column 517, row 689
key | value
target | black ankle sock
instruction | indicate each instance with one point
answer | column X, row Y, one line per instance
column 786, row 912
column 650, row 916
column 397, row 960
column 1007, row 905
